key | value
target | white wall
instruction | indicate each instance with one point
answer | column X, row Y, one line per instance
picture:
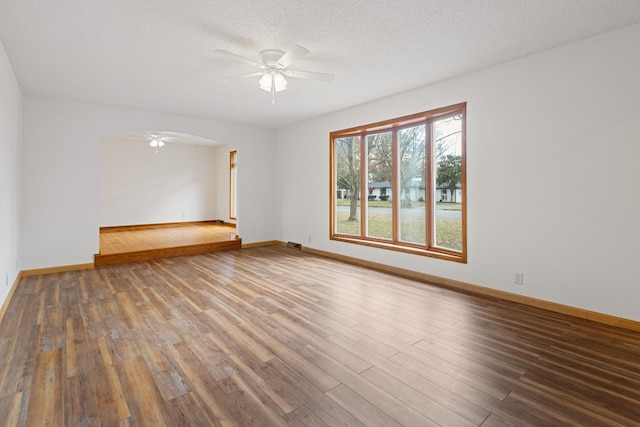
column 138, row 185
column 60, row 174
column 10, row 135
column 553, row 133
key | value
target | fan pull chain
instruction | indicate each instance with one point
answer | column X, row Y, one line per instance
column 273, row 91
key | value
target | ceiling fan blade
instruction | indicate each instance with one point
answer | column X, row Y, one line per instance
column 291, row 55
column 164, row 136
column 144, row 135
column 238, row 57
column 309, row 75
column 242, row 76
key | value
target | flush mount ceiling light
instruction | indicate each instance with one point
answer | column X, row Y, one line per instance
column 274, row 68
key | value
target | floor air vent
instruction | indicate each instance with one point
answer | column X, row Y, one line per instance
column 294, row 245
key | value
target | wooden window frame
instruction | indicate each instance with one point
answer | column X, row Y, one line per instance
column 430, row 249
column 233, row 170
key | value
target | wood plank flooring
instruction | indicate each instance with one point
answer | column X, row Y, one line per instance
column 121, row 245
column 272, row 336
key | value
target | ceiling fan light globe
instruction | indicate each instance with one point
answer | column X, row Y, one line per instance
column 155, row 143
column 265, row 82
column 279, row 82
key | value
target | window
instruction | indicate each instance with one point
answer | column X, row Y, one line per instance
column 233, row 180
column 412, row 170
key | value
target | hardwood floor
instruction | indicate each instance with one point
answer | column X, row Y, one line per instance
column 121, row 245
column 276, row 336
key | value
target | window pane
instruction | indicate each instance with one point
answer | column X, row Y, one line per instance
column 347, row 167
column 412, row 210
column 447, row 134
column 379, row 173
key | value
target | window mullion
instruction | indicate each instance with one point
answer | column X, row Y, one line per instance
column 395, row 187
column 430, row 200
column 364, row 178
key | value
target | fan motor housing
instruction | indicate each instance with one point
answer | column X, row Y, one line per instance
column 270, row 56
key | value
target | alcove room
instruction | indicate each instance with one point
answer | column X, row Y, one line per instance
column 158, row 197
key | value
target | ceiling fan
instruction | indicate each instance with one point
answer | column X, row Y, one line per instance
column 155, row 140
column 274, row 68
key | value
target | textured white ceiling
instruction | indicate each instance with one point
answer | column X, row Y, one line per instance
column 159, row 55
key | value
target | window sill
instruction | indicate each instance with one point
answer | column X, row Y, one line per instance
column 444, row 255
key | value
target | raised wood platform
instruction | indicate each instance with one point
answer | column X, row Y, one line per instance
column 121, row 245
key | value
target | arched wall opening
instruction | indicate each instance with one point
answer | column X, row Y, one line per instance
column 162, row 194
column 184, row 180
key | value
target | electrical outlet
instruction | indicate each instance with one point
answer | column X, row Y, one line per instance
column 518, row 278
column 7, row 280
column 309, row 238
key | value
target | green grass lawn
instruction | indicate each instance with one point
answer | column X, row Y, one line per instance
column 387, row 204
column 448, row 231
